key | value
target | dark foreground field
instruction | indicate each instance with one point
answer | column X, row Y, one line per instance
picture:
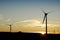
column 28, row 36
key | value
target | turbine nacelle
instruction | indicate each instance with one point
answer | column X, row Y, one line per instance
column 46, row 14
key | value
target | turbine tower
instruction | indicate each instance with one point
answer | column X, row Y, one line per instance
column 45, row 19
column 10, row 27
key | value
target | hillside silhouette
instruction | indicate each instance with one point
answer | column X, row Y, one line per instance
column 28, row 36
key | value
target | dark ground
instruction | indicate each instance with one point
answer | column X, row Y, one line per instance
column 28, row 36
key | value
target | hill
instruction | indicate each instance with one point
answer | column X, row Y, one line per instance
column 28, row 36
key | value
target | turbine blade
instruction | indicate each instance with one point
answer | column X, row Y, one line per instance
column 43, row 11
column 43, row 19
column 50, row 12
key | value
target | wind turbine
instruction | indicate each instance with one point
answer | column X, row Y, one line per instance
column 45, row 19
column 10, row 26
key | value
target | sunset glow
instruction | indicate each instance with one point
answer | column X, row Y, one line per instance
column 27, row 16
column 43, row 33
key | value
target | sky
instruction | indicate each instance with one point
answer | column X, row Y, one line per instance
column 27, row 15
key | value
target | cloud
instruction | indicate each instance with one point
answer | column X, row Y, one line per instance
column 8, row 20
column 32, row 26
column 33, row 23
column 28, row 23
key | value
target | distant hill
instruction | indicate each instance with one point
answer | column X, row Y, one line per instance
column 28, row 36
